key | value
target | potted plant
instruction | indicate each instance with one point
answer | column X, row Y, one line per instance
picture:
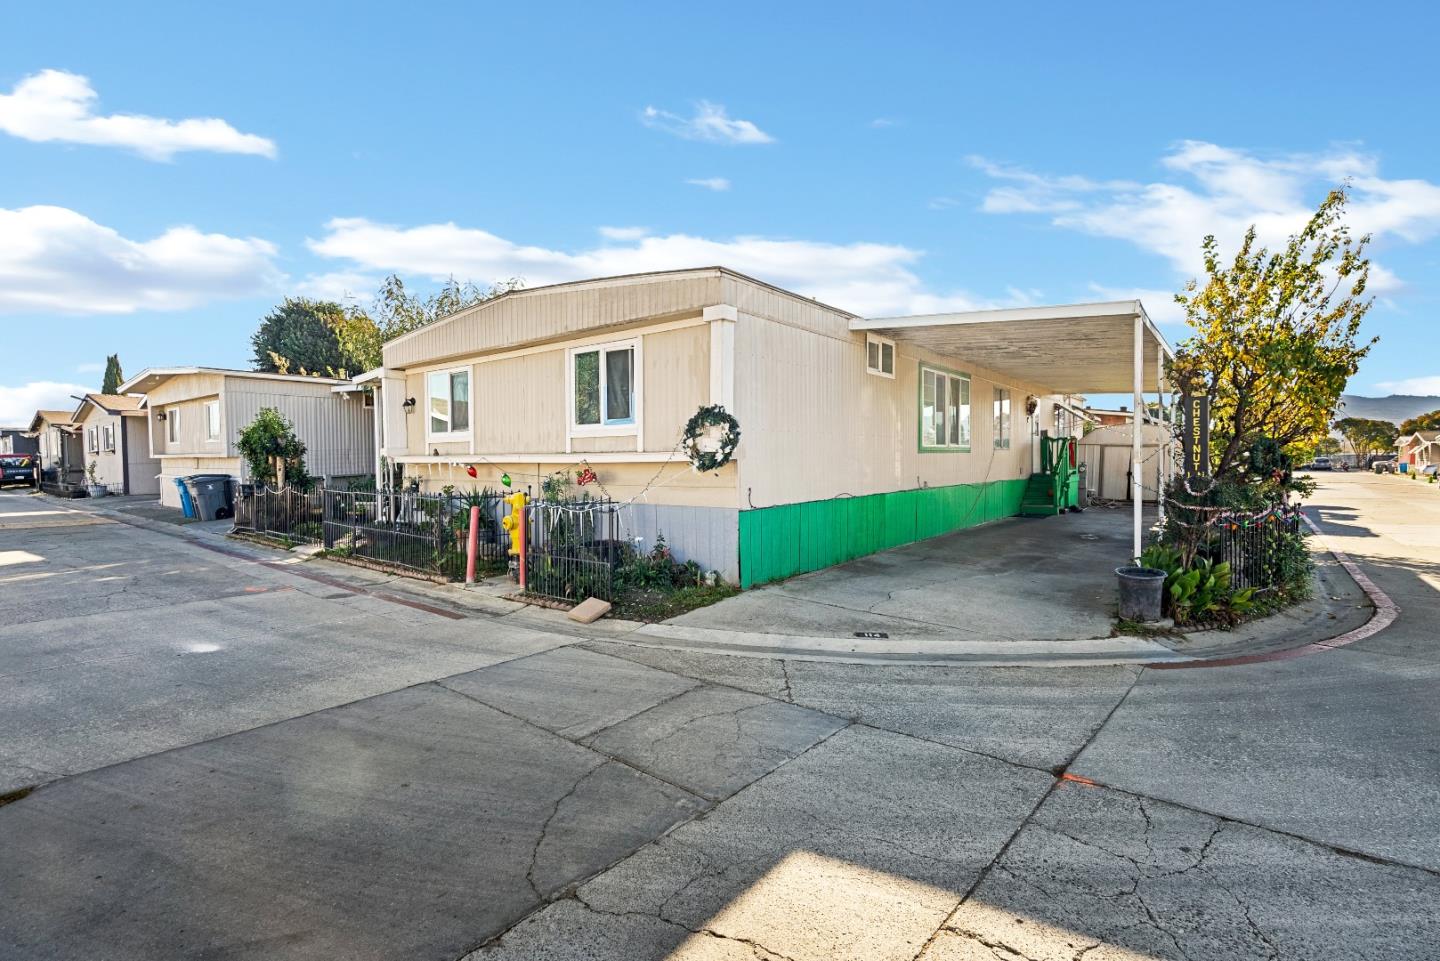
column 93, row 487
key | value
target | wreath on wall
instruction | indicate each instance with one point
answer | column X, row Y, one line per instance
column 707, row 449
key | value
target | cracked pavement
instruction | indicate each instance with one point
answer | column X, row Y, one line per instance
column 232, row 761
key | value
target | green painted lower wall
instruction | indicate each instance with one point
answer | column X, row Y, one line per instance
column 778, row 542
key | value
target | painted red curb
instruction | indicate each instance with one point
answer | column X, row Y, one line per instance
column 1386, row 611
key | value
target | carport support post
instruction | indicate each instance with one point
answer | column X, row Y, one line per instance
column 1137, row 429
column 472, row 544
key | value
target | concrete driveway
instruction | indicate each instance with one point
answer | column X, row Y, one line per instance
column 347, row 774
column 1019, row 579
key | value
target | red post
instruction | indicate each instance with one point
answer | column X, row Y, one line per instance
column 520, row 533
column 473, row 544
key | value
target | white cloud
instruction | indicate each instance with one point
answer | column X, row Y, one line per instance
column 866, row 278
column 879, row 123
column 1411, row 385
column 623, row 233
column 711, row 122
column 1223, row 191
column 54, row 105
column 710, row 183
column 1159, row 304
column 89, row 368
column 19, row 404
column 55, row 260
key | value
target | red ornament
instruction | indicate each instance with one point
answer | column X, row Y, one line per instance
column 586, row 476
column 472, row 471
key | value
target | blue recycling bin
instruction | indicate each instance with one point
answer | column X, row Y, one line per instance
column 186, row 504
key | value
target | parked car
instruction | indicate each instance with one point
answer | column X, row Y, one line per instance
column 1321, row 463
column 17, row 469
column 1429, row 470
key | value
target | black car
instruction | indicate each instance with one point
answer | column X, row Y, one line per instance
column 17, row 469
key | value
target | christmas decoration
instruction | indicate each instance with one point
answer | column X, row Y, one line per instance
column 710, row 438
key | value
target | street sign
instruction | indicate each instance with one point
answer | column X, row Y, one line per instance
column 1195, row 434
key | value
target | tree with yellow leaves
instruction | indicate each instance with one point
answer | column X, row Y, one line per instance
column 1275, row 336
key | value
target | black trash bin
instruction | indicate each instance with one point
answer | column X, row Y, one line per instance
column 213, row 494
column 1141, row 592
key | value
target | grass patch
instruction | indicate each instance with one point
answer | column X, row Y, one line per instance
column 658, row 604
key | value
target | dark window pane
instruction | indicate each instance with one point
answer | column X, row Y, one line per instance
column 619, row 365
column 587, row 387
column 460, row 400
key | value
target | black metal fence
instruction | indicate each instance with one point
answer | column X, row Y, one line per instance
column 572, row 549
column 426, row 533
column 1260, row 548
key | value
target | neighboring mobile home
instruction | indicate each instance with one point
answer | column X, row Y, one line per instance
column 194, row 416
column 62, row 456
column 858, row 435
column 113, row 430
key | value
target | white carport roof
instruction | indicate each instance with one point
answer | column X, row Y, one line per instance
column 1069, row 349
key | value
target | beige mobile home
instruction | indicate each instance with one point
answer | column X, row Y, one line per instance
column 194, row 416
column 112, row 430
column 857, row 434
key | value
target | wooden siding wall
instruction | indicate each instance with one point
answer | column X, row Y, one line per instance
column 144, row 469
column 336, row 428
column 109, row 465
column 518, row 403
column 188, row 392
column 817, row 425
column 531, row 317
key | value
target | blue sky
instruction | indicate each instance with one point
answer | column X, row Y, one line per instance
column 168, row 172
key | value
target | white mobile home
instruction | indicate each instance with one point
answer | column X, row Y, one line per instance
column 858, row 434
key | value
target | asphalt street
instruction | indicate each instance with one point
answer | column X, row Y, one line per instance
column 209, row 752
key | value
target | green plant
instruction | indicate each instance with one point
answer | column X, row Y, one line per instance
column 552, row 487
column 90, row 472
column 272, row 451
column 1200, row 590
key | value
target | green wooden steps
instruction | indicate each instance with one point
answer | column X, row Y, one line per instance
column 1039, row 497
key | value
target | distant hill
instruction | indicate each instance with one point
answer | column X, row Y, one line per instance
column 1395, row 408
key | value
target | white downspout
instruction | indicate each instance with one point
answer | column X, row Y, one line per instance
column 1137, row 490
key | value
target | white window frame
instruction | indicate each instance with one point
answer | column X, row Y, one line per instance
column 172, row 425
column 108, row 436
column 215, row 406
column 92, row 440
column 452, row 434
column 879, row 343
column 964, row 413
column 1004, row 418
column 623, row 428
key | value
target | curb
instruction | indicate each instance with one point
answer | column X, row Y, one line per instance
column 1386, row 610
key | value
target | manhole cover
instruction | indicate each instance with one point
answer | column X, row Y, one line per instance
column 881, row 635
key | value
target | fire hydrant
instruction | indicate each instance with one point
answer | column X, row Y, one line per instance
column 513, row 520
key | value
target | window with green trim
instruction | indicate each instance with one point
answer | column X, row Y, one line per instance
column 944, row 409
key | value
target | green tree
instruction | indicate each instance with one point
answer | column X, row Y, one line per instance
column 1366, row 435
column 1276, row 336
column 1430, row 421
column 271, row 450
column 297, row 337
column 114, row 377
column 362, row 334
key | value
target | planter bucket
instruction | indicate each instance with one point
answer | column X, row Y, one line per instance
column 1141, row 589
